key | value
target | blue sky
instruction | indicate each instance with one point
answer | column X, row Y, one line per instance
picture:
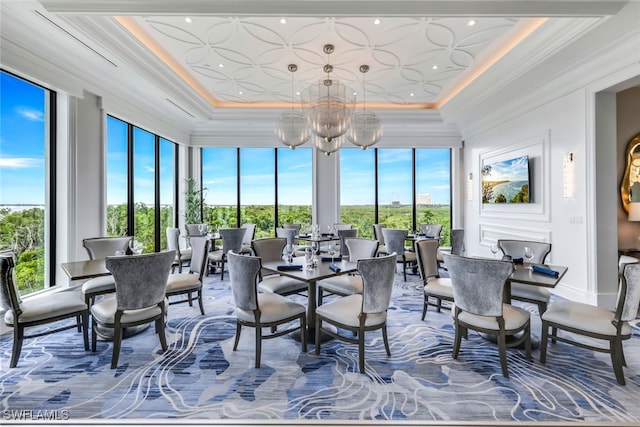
column 510, row 170
column 22, row 164
column 22, row 136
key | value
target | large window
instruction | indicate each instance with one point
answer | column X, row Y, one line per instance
column 247, row 194
column 26, row 176
column 141, row 174
column 408, row 187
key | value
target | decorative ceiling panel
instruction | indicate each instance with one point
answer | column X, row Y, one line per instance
column 244, row 60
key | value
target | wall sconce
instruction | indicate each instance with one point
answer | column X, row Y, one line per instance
column 569, row 176
column 470, row 187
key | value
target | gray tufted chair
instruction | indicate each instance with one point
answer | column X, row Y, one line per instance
column 46, row 307
column 231, row 241
column 377, row 234
column 394, row 241
column 141, row 284
column 260, row 310
column 457, row 245
column 478, row 291
column 100, row 248
column 249, row 235
column 348, row 284
column 270, row 249
column 520, row 291
column 346, row 234
column 431, row 230
column 183, row 255
column 190, row 282
column 194, row 229
column 597, row 322
column 362, row 312
column 436, row 287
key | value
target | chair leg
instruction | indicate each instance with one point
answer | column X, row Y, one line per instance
column 85, row 329
column 385, row 338
column 543, row 342
column 200, row 303
column 424, row 306
column 554, row 332
column 527, row 341
column 303, row 331
column 238, row 331
column 361, row 350
column 79, row 322
column 18, row 333
column 458, row 340
column 320, row 295
column 617, row 359
column 404, row 270
column 258, row 345
column 190, row 299
column 439, row 305
column 317, row 337
column 222, row 270
column 542, row 307
column 94, row 335
column 161, row 334
column 117, row 341
column 502, row 348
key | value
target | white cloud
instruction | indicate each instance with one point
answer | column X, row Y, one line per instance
column 31, row 114
column 20, row 162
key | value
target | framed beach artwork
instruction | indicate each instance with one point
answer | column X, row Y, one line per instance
column 506, row 181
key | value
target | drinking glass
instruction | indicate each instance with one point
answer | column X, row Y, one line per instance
column 135, row 246
column 494, row 249
column 332, row 251
column 289, row 252
column 528, row 254
column 201, row 228
column 308, row 257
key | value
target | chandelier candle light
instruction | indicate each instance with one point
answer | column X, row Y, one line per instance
column 328, row 114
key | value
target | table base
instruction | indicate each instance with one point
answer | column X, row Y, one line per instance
column 535, row 341
column 106, row 334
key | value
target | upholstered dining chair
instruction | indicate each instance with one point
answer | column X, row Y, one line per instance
column 478, row 292
column 194, row 229
column 592, row 322
column 432, row 231
column 362, row 312
column 231, row 241
column 394, row 239
column 349, row 284
column 44, row 308
column 456, row 248
column 249, row 235
column 519, row 291
column 141, row 284
column 346, row 234
column 260, row 310
column 183, row 255
column 190, row 282
column 296, row 227
column 377, row 234
column 100, row 248
column 270, row 249
column 436, row 287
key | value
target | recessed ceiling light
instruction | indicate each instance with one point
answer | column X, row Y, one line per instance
column 471, row 22
column 187, row 20
column 297, row 92
column 220, row 65
column 376, row 21
column 435, row 67
column 239, row 92
column 410, row 94
column 283, row 20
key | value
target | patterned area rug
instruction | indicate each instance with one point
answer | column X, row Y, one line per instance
column 201, row 378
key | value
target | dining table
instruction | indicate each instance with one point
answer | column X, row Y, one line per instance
column 322, row 270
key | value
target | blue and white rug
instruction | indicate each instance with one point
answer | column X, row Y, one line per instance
column 201, row 378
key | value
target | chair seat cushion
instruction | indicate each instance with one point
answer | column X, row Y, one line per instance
column 584, row 317
column 273, row 308
column 440, row 288
column 281, row 285
column 347, row 284
column 346, row 310
column 185, row 254
column 182, row 282
column 382, row 250
column 536, row 293
column 48, row 305
column 408, row 256
column 442, row 250
column 105, row 310
column 99, row 285
column 514, row 318
column 215, row 255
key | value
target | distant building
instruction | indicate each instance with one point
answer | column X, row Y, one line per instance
column 395, row 203
column 423, row 199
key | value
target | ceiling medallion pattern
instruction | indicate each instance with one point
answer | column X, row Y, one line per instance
column 244, row 60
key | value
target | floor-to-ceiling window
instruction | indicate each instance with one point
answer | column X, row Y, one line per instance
column 257, row 189
column 358, row 189
column 395, row 187
column 433, row 188
column 27, row 166
column 141, row 174
column 220, row 187
column 295, row 195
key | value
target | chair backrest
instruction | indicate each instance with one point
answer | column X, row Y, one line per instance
column 173, row 239
column 457, row 241
column 243, row 275
column 141, row 280
column 199, row 252
column 102, row 247
column 250, row 234
column 194, row 229
column 478, row 284
column 377, row 278
column 287, row 233
column 394, row 239
column 515, row 248
column 9, row 294
column 345, row 234
column 431, row 230
column 427, row 258
column 361, row 248
column 269, row 249
column 232, row 239
column 629, row 295
column 339, row 226
column 296, row 227
column 377, row 232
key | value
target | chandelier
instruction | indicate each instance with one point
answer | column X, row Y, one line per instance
column 328, row 114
